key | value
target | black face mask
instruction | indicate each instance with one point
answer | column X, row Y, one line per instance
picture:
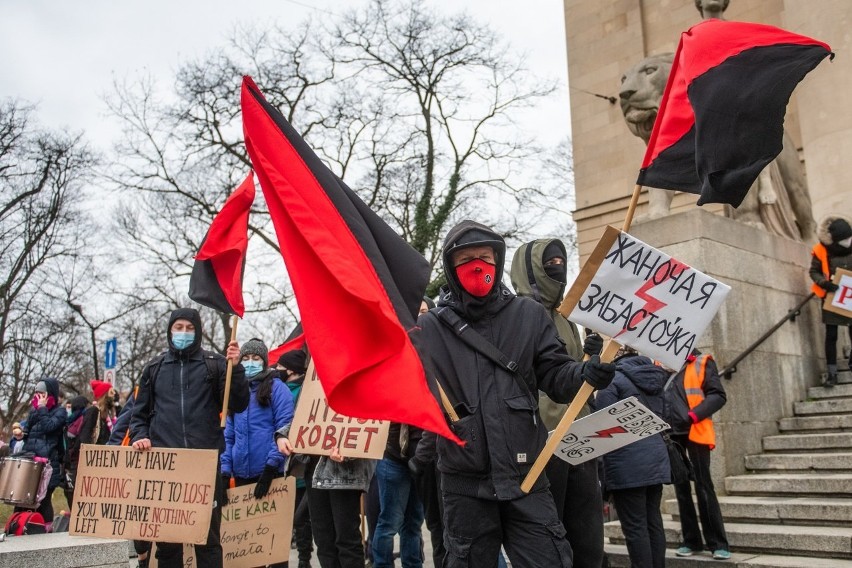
column 558, row 272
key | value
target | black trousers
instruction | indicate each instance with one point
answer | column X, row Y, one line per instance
column 642, row 523
column 577, row 494
column 831, row 344
column 302, row 526
column 428, row 488
column 336, row 524
column 527, row 527
column 209, row 555
column 709, row 511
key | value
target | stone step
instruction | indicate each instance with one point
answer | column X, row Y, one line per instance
column 617, row 556
column 786, row 540
column 838, row 461
column 782, row 510
column 827, row 406
column 808, row 442
column 836, row 422
column 839, row 484
column 840, row 390
column 61, row 550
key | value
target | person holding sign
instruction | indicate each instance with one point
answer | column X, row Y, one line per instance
column 833, row 251
column 177, row 406
column 539, row 271
column 490, row 353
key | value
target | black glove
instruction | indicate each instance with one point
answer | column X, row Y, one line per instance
column 598, row 374
column 226, row 481
column 416, row 468
column 829, row 286
column 262, row 486
column 593, row 345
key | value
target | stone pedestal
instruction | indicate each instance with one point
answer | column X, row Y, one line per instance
column 768, row 277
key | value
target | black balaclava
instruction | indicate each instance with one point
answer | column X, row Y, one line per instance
column 193, row 316
column 558, row 272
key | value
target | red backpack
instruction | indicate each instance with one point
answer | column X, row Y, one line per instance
column 25, row 522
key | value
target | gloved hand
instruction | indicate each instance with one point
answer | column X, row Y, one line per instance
column 593, row 345
column 226, row 481
column 416, row 468
column 262, row 486
column 598, row 374
column 829, row 286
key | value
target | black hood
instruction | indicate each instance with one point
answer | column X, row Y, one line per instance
column 52, row 386
column 192, row 315
column 643, row 373
column 467, row 234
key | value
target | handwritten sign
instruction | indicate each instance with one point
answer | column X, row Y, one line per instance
column 256, row 532
column 608, row 429
column 317, row 429
column 159, row 494
column 644, row 298
column 840, row 302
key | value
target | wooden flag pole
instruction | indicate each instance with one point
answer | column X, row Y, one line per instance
column 228, row 375
column 608, row 354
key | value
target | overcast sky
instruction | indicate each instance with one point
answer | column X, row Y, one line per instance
column 64, row 55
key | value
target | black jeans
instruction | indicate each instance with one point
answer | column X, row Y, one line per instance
column 577, row 494
column 336, row 524
column 170, row 555
column 709, row 511
column 642, row 523
column 527, row 527
column 302, row 526
column 831, row 344
column 429, row 490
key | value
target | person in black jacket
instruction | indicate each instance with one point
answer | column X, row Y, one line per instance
column 494, row 410
column 178, row 406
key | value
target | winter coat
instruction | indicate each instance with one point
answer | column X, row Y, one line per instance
column 89, row 433
column 498, row 417
column 250, row 435
column 180, row 406
column 45, row 432
column 838, row 257
column 645, row 462
column 676, row 407
column 351, row 473
column 530, row 280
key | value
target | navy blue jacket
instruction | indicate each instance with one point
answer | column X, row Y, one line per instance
column 45, row 431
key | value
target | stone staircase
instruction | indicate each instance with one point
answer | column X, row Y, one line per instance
column 794, row 507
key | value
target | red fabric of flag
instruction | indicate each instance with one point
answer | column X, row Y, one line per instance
column 721, row 118
column 217, row 275
column 358, row 284
column 297, row 342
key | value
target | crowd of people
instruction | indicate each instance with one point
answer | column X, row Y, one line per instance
column 468, row 496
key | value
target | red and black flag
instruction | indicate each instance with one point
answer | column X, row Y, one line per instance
column 357, row 282
column 721, row 118
column 217, row 275
column 296, row 340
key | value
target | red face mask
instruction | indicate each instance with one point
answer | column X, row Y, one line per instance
column 476, row 277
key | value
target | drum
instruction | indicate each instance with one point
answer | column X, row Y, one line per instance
column 19, row 479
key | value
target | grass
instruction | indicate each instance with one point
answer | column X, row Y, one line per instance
column 59, row 504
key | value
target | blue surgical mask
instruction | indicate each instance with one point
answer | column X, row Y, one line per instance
column 182, row 339
column 252, row 367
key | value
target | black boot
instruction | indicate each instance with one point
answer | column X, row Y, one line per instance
column 831, row 380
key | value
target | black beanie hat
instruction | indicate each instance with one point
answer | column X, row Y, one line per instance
column 294, row 360
column 429, row 303
column 839, row 230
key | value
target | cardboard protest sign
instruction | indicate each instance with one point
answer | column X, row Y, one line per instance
column 840, row 302
column 644, row 298
column 317, row 429
column 160, row 494
column 608, row 429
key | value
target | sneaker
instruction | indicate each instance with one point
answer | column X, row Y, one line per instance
column 684, row 551
column 721, row 554
column 831, row 380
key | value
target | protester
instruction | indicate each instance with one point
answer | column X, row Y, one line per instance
column 635, row 474
column 493, row 406
column 833, row 251
column 293, row 365
column 178, row 405
column 539, row 271
column 251, row 452
column 691, row 399
column 16, row 442
column 85, row 425
column 44, row 432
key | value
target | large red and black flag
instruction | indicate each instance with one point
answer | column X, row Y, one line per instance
column 296, row 340
column 217, row 275
column 358, row 284
column 721, row 118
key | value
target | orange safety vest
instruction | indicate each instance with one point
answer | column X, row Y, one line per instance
column 821, row 253
column 693, row 379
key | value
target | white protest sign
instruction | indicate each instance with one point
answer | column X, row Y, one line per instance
column 840, row 302
column 317, row 429
column 608, row 429
column 644, row 298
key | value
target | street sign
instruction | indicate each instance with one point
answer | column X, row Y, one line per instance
column 110, row 355
column 109, row 376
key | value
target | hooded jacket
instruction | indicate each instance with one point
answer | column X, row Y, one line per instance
column 45, row 432
column 180, row 406
column 838, row 257
column 250, row 435
column 530, row 280
column 645, row 462
column 498, row 418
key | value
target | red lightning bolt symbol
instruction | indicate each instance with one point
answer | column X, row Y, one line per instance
column 608, row 432
column 652, row 304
